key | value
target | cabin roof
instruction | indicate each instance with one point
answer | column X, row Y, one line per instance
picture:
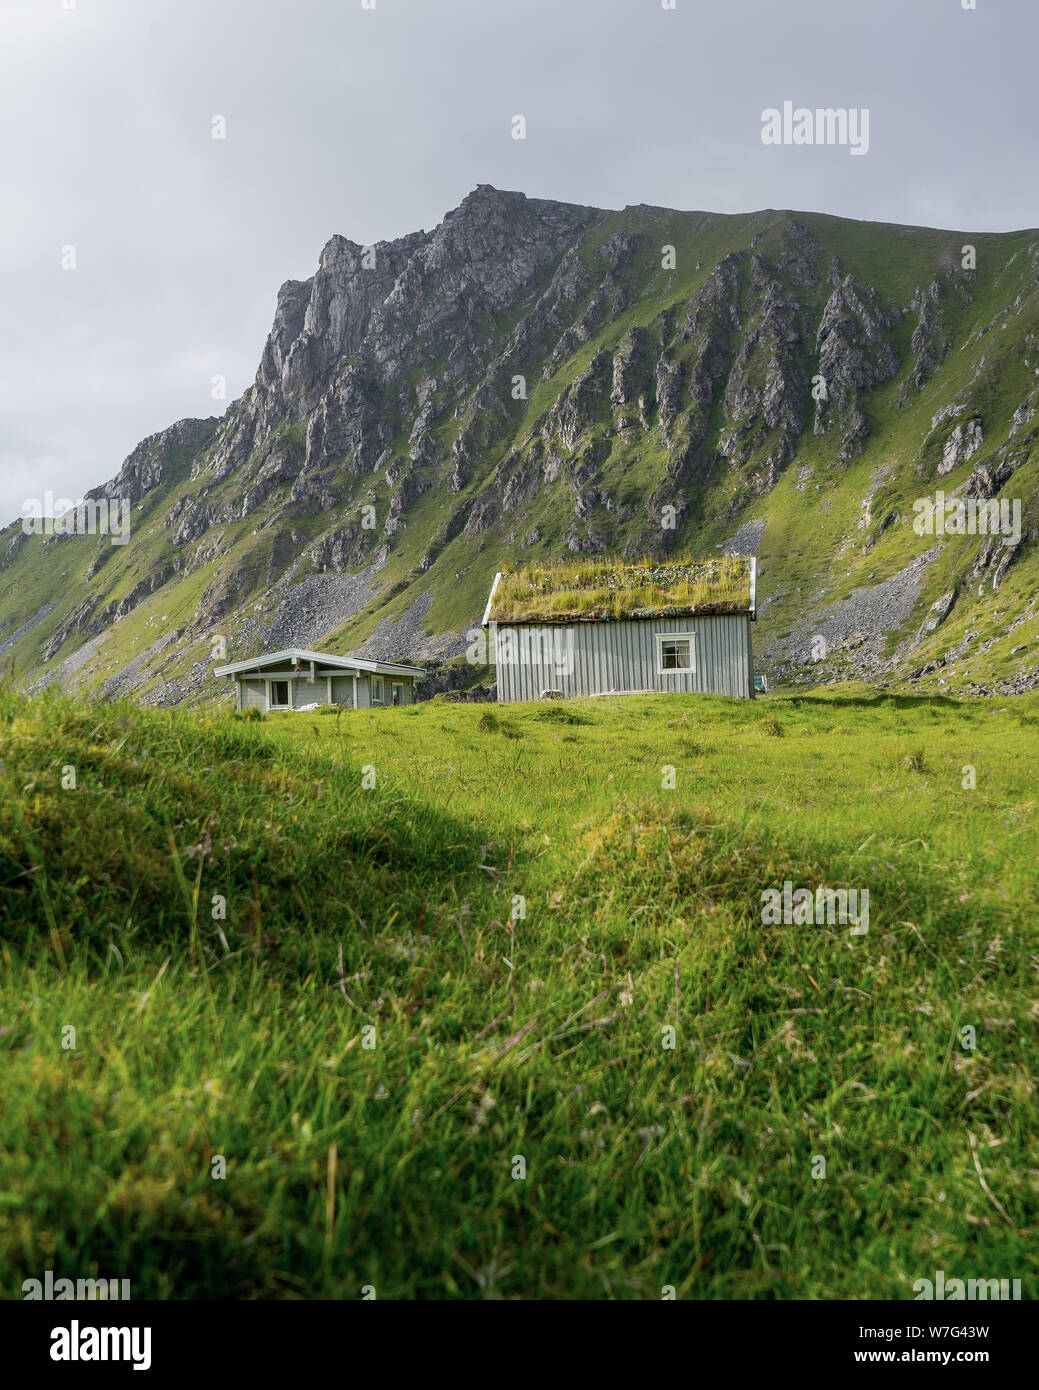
column 605, row 589
column 299, row 656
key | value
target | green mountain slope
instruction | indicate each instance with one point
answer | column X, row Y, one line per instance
column 533, row 379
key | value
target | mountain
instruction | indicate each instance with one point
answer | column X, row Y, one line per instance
column 536, row 379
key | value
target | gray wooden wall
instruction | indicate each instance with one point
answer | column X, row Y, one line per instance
column 305, row 691
column 625, row 656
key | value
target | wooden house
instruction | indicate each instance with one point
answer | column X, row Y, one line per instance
column 297, row 679
column 607, row 627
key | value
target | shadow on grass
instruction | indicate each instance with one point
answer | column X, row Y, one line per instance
column 878, row 701
column 146, row 830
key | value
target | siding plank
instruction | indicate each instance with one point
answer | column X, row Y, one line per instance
column 624, row 656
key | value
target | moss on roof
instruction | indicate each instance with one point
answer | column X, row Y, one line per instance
column 611, row 589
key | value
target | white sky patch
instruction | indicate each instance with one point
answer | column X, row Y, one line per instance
column 373, row 124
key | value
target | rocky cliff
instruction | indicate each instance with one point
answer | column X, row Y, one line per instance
column 537, row 378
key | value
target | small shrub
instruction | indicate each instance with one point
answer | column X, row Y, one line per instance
column 489, row 722
column 772, row 727
column 915, row 761
column 559, row 714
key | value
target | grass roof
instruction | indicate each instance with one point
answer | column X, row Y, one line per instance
column 612, row 589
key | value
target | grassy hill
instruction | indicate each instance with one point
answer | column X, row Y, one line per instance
column 422, row 1084
column 667, row 361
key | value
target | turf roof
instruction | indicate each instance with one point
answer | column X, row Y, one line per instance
column 609, row 589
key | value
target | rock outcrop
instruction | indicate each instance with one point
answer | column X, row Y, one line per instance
column 532, row 378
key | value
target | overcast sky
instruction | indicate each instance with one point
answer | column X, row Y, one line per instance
column 372, row 122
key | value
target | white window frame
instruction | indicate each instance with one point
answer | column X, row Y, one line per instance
column 663, row 637
column 281, row 680
column 376, row 684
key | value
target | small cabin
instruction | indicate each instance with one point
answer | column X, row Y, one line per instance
column 608, row 627
column 297, row 679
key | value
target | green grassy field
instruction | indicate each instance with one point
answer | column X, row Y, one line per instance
column 420, row 1085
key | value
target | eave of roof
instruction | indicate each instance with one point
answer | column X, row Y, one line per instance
column 345, row 663
column 638, row 615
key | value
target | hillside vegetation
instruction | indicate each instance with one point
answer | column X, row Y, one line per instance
column 422, row 1084
column 534, row 380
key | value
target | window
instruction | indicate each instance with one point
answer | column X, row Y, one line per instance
column 395, row 694
column 279, row 694
column 676, row 653
column 376, row 690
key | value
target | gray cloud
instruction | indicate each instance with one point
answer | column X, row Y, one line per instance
column 373, row 123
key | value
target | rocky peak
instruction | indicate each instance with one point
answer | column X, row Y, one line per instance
column 527, row 375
